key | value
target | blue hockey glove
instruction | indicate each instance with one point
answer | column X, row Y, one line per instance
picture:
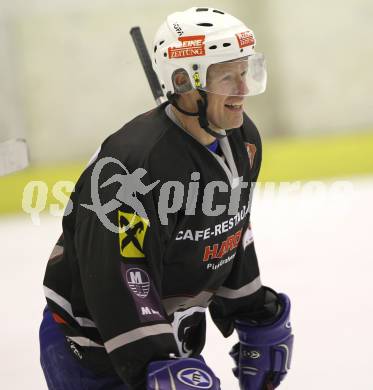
column 263, row 354
column 181, row 374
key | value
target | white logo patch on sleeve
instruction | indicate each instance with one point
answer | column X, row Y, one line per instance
column 248, row 237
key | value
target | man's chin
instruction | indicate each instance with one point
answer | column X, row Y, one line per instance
column 235, row 124
column 227, row 124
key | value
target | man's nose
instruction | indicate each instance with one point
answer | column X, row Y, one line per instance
column 241, row 88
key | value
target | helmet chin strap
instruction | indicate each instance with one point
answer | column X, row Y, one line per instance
column 202, row 114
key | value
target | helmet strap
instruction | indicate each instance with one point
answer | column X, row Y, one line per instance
column 202, row 117
column 202, row 113
column 172, row 99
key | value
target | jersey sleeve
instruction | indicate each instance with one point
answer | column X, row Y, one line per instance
column 119, row 244
column 242, row 295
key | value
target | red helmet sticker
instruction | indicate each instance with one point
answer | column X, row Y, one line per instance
column 245, row 38
column 191, row 46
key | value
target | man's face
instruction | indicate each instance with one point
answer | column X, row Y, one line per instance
column 226, row 89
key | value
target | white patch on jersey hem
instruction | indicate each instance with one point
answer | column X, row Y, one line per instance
column 179, row 316
column 248, row 238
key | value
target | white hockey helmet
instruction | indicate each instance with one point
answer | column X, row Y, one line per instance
column 197, row 38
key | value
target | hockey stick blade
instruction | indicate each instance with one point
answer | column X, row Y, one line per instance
column 143, row 53
column 14, row 156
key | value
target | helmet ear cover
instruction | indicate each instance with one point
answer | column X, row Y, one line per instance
column 181, row 81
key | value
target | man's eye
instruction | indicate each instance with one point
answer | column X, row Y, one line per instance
column 244, row 73
column 227, row 77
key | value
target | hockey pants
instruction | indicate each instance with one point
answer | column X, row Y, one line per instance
column 61, row 369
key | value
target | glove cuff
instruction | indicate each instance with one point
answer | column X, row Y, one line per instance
column 267, row 334
column 265, row 351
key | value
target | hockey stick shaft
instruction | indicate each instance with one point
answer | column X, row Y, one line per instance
column 143, row 53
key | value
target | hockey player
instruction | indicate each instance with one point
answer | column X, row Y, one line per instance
column 160, row 231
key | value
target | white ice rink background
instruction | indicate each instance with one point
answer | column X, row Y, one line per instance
column 318, row 248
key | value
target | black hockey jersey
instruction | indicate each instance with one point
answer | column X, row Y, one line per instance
column 156, row 231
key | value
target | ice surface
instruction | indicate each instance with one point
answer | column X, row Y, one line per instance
column 316, row 248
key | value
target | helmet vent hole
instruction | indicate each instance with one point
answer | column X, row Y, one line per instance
column 218, row 12
column 213, row 47
column 226, row 44
column 161, row 42
column 205, row 24
column 201, row 9
column 164, row 54
column 241, row 50
column 155, row 48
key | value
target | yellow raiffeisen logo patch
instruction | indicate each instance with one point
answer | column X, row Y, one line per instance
column 132, row 231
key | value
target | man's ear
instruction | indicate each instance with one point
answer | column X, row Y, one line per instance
column 181, row 81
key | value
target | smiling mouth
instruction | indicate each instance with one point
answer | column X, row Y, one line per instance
column 234, row 107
